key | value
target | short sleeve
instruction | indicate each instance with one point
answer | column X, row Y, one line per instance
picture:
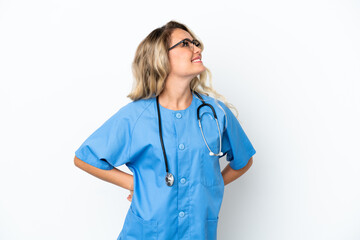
column 235, row 142
column 108, row 146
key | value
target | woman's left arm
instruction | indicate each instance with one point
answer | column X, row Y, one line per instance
column 230, row 174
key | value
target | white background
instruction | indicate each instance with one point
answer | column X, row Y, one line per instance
column 292, row 69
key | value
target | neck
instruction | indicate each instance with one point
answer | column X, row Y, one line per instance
column 176, row 95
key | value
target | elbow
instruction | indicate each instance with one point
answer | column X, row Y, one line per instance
column 77, row 161
column 250, row 162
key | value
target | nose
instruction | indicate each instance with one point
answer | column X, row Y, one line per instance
column 196, row 49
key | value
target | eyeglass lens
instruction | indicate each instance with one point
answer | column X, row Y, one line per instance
column 188, row 43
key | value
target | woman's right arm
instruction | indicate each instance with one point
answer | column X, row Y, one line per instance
column 114, row 176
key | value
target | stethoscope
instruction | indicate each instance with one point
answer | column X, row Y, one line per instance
column 169, row 178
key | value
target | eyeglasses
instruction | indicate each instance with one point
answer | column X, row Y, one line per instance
column 187, row 43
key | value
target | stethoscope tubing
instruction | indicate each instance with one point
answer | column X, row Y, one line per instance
column 211, row 153
column 169, row 178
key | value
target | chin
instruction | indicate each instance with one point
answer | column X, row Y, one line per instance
column 196, row 73
column 202, row 70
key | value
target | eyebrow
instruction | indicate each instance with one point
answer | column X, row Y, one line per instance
column 184, row 39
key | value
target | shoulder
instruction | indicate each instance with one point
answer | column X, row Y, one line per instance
column 131, row 111
column 216, row 103
column 135, row 107
column 223, row 112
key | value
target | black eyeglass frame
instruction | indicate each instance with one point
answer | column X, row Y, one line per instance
column 194, row 42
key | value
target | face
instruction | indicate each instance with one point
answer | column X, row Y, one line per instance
column 181, row 56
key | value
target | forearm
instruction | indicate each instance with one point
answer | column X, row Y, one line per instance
column 230, row 174
column 114, row 176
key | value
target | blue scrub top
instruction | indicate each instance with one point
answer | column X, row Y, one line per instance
column 190, row 208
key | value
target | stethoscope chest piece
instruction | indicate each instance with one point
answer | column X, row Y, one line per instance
column 169, row 179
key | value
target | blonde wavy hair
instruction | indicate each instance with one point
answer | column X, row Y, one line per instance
column 151, row 66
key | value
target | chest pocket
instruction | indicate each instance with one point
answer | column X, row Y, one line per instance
column 210, row 166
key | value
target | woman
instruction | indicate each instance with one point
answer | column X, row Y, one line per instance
column 177, row 182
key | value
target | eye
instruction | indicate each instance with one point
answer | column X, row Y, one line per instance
column 185, row 43
column 197, row 43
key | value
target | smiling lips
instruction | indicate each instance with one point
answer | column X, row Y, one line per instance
column 197, row 59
